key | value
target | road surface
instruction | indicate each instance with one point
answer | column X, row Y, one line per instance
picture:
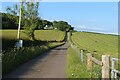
column 51, row 64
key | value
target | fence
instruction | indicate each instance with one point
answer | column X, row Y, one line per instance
column 114, row 72
column 105, row 63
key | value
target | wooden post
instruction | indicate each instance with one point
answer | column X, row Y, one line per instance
column 105, row 66
column 89, row 61
column 112, row 72
column 18, row 35
column 116, row 76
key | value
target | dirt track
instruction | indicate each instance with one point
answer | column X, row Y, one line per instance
column 50, row 65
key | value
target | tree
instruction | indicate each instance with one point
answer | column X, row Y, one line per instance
column 49, row 24
column 29, row 16
column 39, row 24
column 61, row 25
column 14, row 10
column 46, row 23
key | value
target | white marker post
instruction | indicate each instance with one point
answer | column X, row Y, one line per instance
column 20, row 42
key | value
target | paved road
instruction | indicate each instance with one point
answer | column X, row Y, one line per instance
column 50, row 65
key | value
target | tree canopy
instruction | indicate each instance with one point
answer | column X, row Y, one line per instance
column 62, row 25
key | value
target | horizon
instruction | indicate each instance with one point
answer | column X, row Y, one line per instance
column 100, row 17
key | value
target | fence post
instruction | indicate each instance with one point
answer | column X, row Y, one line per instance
column 105, row 66
column 89, row 61
column 112, row 72
column 81, row 55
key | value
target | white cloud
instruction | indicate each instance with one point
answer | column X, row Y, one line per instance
column 89, row 28
column 93, row 29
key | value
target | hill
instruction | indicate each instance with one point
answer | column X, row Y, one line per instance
column 99, row 43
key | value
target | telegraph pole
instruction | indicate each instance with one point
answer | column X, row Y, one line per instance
column 20, row 42
column 18, row 36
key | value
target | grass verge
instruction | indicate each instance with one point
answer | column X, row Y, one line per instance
column 78, row 69
column 14, row 57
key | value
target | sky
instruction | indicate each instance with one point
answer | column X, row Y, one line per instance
column 99, row 17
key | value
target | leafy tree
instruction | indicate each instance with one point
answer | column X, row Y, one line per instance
column 29, row 15
column 14, row 10
column 46, row 22
column 39, row 24
column 72, row 28
column 62, row 25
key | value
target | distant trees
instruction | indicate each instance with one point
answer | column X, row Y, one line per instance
column 10, row 21
column 62, row 25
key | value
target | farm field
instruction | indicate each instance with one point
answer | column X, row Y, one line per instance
column 97, row 44
column 49, row 35
column 42, row 35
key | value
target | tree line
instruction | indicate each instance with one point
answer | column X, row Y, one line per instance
column 9, row 21
column 30, row 19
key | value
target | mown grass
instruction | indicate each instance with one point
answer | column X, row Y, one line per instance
column 13, row 57
column 43, row 35
column 97, row 44
column 49, row 35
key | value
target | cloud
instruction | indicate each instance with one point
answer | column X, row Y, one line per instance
column 94, row 29
column 88, row 28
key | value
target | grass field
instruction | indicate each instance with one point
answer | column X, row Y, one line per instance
column 49, row 35
column 99, row 43
column 43, row 35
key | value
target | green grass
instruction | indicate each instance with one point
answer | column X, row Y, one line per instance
column 78, row 68
column 101, row 43
column 43, row 35
column 49, row 35
column 75, row 66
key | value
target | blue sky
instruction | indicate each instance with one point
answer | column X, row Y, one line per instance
column 87, row 16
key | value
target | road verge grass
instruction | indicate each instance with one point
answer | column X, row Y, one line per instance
column 75, row 68
column 15, row 57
